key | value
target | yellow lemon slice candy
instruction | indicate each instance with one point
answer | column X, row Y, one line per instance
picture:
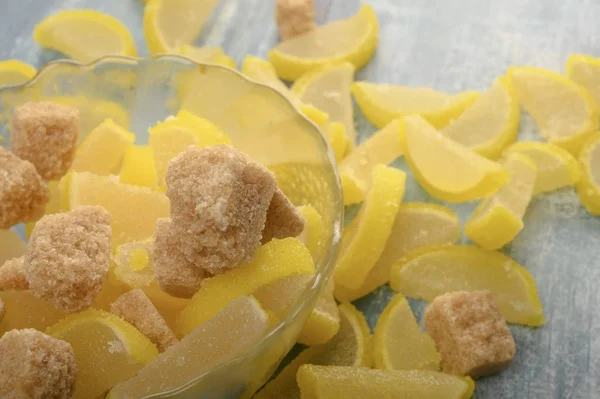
column 263, row 72
column 324, row 382
column 103, row 149
column 328, row 89
column 399, row 343
column 556, row 168
column 227, row 335
column 416, row 225
column 491, row 124
column 23, row 310
column 566, row 114
column 353, row 40
column 13, row 72
column 334, row 131
column 382, row 103
column 383, row 147
column 84, row 35
column 133, row 210
column 324, row 320
column 273, row 261
column 588, row 188
column 169, row 138
column 169, row 24
column 351, row 346
column 208, row 55
column 364, row 240
column 585, row 71
column 468, row 268
column 107, row 349
column 446, row 169
column 139, row 167
column 498, row 219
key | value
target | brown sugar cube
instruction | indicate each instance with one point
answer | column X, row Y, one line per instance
column 173, row 272
column 283, row 219
column 2, row 310
column 294, row 17
column 34, row 365
column 23, row 194
column 219, row 201
column 68, row 257
column 46, row 135
column 470, row 333
column 135, row 308
column 12, row 275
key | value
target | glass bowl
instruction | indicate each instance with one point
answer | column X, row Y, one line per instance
column 261, row 122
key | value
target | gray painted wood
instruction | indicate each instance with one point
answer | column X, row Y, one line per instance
column 452, row 46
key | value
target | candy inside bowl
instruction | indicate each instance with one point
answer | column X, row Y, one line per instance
column 123, row 95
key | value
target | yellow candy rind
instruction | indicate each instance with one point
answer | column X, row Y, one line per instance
column 588, row 192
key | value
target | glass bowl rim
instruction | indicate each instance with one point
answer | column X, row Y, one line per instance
column 322, row 274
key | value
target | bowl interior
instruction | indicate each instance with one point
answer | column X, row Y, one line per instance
column 137, row 93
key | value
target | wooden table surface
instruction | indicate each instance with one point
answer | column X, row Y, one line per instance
column 452, row 46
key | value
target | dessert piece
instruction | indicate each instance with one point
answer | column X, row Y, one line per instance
column 2, row 309
column 12, row 276
column 135, row 308
column 294, row 17
column 219, row 202
column 45, row 134
column 34, row 365
column 173, row 272
column 23, row 195
column 283, row 219
column 470, row 333
column 68, row 257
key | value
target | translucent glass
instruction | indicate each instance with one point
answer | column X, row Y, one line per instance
column 137, row 93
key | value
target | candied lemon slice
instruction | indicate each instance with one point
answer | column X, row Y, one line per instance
column 351, row 346
column 139, row 167
column 92, row 112
column 107, row 349
column 11, row 246
column 399, row 344
column 52, row 206
column 313, row 235
column 324, row 320
column 84, row 35
column 275, row 260
column 23, row 310
column 263, row 72
column 353, row 40
column 334, row 131
column 585, row 71
column 206, row 55
column 171, row 137
column 324, row 382
column 365, row 240
column 556, row 168
column 416, row 225
column 133, row 210
column 13, row 72
column 103, row 149
column 468, row 268
column 588, row 187
column 383, row 147
column 328, row 89
column 498, row 219
column 225, row 336
column 566, row 114
column 491, row 124
column 169, row 24
column 382, row 103
column 448, row 170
